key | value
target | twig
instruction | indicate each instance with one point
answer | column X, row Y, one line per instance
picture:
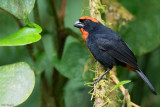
column 124, row 101
column 69, row 31
column 56, row 17
column 93, row 92
column 36, row 13
column 45, row 89
column 30, row 49
column 123, row 90
column 63, row 8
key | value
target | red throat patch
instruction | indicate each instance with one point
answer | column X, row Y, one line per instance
column 84, row 34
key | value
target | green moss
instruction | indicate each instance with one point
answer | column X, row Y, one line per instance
column 103, row 88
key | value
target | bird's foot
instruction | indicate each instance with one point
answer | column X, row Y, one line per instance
column 101, row 77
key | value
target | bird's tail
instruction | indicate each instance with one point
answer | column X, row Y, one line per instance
column 146, row 81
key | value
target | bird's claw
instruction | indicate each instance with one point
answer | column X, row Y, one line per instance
column 97, row 80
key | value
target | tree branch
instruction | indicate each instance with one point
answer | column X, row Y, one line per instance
column 63, row 8
column 59, row 81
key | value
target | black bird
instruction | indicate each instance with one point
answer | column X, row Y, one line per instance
column 108, row 47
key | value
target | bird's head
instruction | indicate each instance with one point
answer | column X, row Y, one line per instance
column 86, row 24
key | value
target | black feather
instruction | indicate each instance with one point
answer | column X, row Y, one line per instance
column 146, row 81
column 117, row 49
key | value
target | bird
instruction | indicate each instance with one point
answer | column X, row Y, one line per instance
column 108, row 47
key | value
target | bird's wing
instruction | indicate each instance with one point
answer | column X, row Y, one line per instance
column 118, row 49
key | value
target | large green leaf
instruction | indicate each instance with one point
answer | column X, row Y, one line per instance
column 35, row 98
column 152, row 72
column 73, row 60
column 76, row 93
column 8, row 24
column 17, row 82
column 19, row 8
column 76, row 11
column 24, row 36
column 143, row 33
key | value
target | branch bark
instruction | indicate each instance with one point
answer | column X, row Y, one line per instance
column 63, row 8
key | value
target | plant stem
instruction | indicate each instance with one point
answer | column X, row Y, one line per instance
column 59, row 81
column 36, row 13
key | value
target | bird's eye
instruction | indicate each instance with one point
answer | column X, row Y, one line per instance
column 86, row 21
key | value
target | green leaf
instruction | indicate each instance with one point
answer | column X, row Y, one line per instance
column 18, row 8
column 120, row 83
column 8, row 25
column 24, row 36
column 17, row 83
column 151, row 71
column 73, row 59
column 36, row 96
column 76, row 11
column 143, row 33
column 76, row 93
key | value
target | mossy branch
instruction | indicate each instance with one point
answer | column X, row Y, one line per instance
column 102, row 93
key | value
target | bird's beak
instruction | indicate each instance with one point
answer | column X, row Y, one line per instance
column 78, row 24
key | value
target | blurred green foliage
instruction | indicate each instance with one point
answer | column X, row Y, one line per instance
column 60, row 61
column 143, row 33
